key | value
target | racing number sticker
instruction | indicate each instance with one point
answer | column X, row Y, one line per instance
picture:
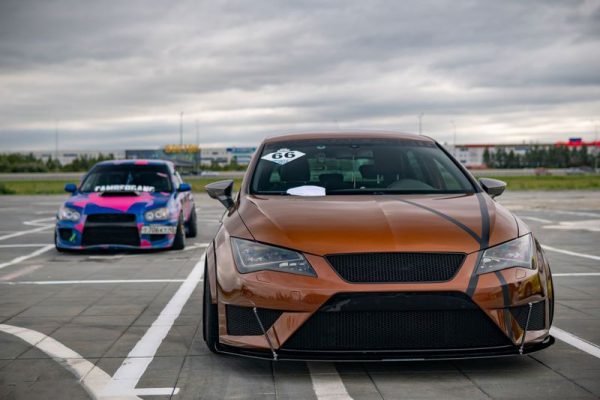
column 283, row 156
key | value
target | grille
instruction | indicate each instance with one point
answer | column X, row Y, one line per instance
column 110, row 235
column 110, row 218
column 242, row 321
column 537, row 320
column 396, row 267
column 407, row 321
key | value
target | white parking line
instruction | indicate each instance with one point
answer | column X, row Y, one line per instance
column 91, row 281
column 28, row 256
column 20, row 272
column 21, row 233
column 542, row 220
column 577, row 274
column 575, row 341
column 327, row 382
column 92, row 378
column 10, row 246
column 578, row 213
column 139, row 358
column 571, row 253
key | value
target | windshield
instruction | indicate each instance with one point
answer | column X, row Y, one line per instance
column 354, row 166
column 127, row 177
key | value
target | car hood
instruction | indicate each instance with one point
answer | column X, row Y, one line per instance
column 365, row 223
column 99, row 203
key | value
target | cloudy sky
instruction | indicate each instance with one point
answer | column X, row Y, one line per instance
column 117, row 75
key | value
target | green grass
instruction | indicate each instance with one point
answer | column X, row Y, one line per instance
column 585, row 182
column 58, row 186
column 579, row 182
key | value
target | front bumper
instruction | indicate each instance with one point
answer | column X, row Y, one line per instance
column 84, row 235
column 501, row 300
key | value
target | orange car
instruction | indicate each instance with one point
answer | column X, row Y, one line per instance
column 371, row 246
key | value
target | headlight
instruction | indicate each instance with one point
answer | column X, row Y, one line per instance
column 516, row 253
column 252, row 256
column 68, row 214
column 157, row 214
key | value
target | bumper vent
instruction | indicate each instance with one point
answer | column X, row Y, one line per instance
column 99, row 235
column 397, row 322
column 537, row 320
column 396, row 267
column 242, row 321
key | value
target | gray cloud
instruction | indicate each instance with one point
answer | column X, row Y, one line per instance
column 116, row 74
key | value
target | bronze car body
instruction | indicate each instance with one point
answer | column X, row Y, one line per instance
column 394, row 272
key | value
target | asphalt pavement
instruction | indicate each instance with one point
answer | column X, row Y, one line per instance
column 128, row 325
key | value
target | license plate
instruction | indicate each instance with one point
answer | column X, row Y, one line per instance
column 158, row 229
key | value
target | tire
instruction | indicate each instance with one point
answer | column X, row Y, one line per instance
column 210, row 318
column 179, row 241
column 192, row 226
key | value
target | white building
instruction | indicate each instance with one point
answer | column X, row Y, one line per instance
column 225, row 155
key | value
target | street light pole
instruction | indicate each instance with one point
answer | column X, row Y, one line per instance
column 181, row 128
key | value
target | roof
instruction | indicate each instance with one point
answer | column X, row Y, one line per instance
column 356, row 134
column 136, row 162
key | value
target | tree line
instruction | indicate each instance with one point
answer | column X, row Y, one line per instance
column 541, row 156
column 17, row 162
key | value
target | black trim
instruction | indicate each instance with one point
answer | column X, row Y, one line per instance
column 506, row 299
column 483, row 243
column 449, row 354
column 446, row 217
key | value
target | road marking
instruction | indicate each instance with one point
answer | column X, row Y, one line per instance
column 92, row 281
column 92, row 378
column 39, row 221
column 542, row 220
column 571, row 253
column 139, row 358
column 21, row 233
column 578, row 274
column 590, row 225
column 21, row 272
column 579, row 213
column 327, row 382
column 196, row 246
column 9, row 246
column 575, row 341
column 28, row 256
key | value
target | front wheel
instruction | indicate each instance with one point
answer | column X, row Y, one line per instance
column 192, row 227
column 210, row 318
column 179, row 241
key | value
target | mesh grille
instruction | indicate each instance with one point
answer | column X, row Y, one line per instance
column 396, row 267
column 537, row 320
column 110, row 235
column 242, row 321
column 108, row 218
column 463, row 326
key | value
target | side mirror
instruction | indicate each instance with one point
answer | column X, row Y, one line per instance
column 70, row 187
column 493, row 187
column 184, row 187
column 221, row 191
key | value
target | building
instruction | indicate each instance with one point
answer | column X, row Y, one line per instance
column 226, row 155
column 186, row 157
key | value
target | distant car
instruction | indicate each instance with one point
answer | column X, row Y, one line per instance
column 127, row 204
column 209, row 173
column 372, row 245
column 541, row 172
column 579, row 171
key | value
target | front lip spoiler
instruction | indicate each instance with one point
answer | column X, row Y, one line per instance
column 387, row 356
